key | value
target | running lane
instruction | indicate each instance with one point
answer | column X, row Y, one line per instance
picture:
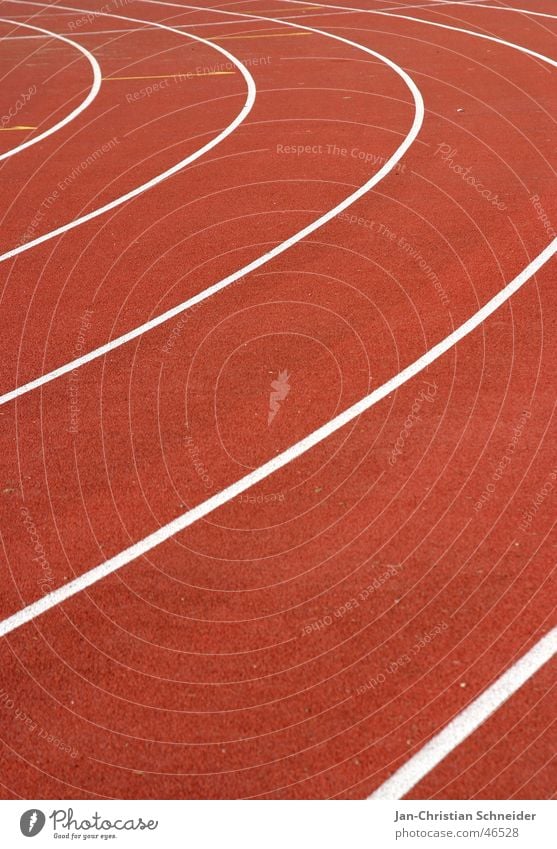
column 113, row 151
column 308, row 637
column 8, row 123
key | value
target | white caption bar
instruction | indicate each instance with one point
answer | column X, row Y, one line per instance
column 279, row 825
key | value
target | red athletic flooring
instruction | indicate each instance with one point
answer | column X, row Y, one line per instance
column 276, row 648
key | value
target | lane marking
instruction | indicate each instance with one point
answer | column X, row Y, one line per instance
column 186, row 74
column 279, row 11
column 433, row 5
column 122, row 30
column 166, row 532
column 468, row 720
column 47, row 15
column 182, row 522
column 185, row 305
column 97, row 32
column 476, row 713
column 257, row 263
column 421, row 21
column 172, row 313
column 93, row 91
column 507, row 9
column 11, row 129
column 159, row 178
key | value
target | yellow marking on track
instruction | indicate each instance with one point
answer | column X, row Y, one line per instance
column 186, row 74
column 8, row 129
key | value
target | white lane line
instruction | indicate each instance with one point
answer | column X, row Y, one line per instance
column 433, row 4
column 468, row 721
column 257, row 263
column 172, row 313
column 159, row 178
column 166, row 532
column 422, row 21
column 506, row 9
column 93, row 575
column 99, row 32
column 125, row 30
column 93, row 91
column 174, row 527
column 49, row 14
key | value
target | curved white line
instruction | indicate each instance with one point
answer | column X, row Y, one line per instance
column 186, row 519
column 257, row 263
column 224, row 496
column 506, row 9
column 93, row 91
column 468, row 720
column 169, row 314
column 427, row 23
column 159, row 178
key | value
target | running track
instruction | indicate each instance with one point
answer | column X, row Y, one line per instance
column 278, row 486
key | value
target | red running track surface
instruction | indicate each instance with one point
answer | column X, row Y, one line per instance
column 308, row 637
